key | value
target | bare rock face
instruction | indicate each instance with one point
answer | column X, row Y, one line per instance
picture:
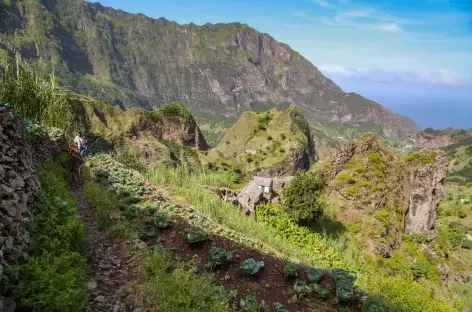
column 18, row 187
column 427, row 182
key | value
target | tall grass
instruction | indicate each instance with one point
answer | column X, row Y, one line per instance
column 35, row 97
column 178, row 291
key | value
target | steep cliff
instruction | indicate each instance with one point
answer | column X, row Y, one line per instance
column 216, row 71
column 380, row 196
column 269, row 143
column 427, row 183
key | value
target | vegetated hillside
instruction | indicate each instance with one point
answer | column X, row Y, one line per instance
column 269, row 143
column 216, row 71
column 379, row 196
column 166, row 135
column 441, row 138
column 460, row 156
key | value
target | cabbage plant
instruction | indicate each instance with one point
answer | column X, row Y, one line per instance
column 344, row 285
column 290, row 270
column 314, row 275
column 280, row 308
column 249, row 304
column 300, row 287
column 375, row 305
column 319, row 291
column 162, row 221
column 147, row 233
column 220, row 256
column 194, row 235
column 251, row 266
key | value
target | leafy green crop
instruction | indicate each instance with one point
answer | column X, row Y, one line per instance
column 162, row 221
column 375, row 305
column 194, row 235
column 147, row 233
column 220, row 256
column 319, row 291
column 251, row 266
column 300, row 287
column 280, row 308
column 249, row 304
column 314, row 275
column 290, row 270
column 344, row 285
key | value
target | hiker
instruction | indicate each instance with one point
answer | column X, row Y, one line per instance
column 81, row 144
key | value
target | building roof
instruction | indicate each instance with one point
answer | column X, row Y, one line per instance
column 262, row 181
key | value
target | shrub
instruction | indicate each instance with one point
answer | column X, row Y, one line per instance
column 194, row 235
column 290, row 270
column 220, row 256
column 251, row 266
column 303, row 198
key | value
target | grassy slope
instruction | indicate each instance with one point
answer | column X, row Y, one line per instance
column 274, row 135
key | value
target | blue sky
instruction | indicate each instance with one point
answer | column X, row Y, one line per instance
column 378, row 48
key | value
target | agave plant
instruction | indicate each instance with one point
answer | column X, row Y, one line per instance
column 314, row 275
column 251, row 266
column 162, row 221
column 194, row 235
column 290, row 270
column 147, row 233
column 280, row 308
column 249, row 304
column 300, row 287
column 375, row 305
column 220, row 256
column 319, row 291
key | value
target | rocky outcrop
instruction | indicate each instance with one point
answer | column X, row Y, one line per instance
column 268, row 144
column 427, row 182
column 217, row 70
column 18, row 187
column 383, row 195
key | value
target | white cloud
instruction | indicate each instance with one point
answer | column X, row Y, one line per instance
column 441, row 77
column 323, row 3
column 390, row 27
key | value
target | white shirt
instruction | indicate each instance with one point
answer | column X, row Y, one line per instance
column 79, row 142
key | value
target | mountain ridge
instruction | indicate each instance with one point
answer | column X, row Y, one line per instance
column 215, row 70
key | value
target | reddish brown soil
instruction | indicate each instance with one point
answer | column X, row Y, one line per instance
column 268, row 285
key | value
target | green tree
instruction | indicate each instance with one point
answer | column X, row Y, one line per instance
column 303, row 198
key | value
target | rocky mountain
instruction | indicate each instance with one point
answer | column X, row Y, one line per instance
column 267, row 143
column 431, row 138
column 216, row 71
column 380, row 196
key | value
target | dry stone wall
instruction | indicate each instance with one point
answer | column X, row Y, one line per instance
column 19, row 186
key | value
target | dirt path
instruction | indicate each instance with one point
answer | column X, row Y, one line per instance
column 113, row 266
